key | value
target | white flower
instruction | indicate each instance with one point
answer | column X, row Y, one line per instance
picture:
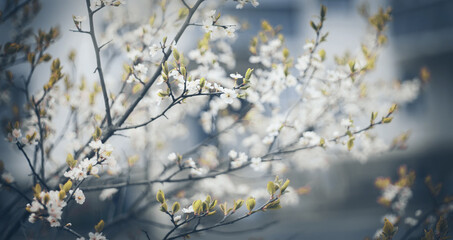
column 207, row 25
column 302, row 63
column 87, row 162
column 198, row 171
column 78, row 19
column 177, row 218
column 187, row 210
column 53, row 221
column 228, row 95
column 255, row 160
column 107, row 193
column 107, row 2
column 229, row 31
column 153, row 50
column 141, row 68
column 310, row 138
column 96, row 236
column 79, row 196
column 390, row 192
column 256, row 164
column 308, row 46
column 190, row 163
column 94, row 170
column 35, row 206
column 172, row 157
column 418, row 213
column 232, row 154
column 268, row 139
column 16, row 133
column 410, row 221
column 239, row 161
column 7, row 177
column 76, row 173
column 95, row 144
column 236, row 75
column 106, row 150
column 241, row 4
column 32, row 218
column 242, row 157
column 346, row 122
column 211, row 14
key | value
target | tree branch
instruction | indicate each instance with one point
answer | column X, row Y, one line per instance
column 19, row 145
column 98, row 61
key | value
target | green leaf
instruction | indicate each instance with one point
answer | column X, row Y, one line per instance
column 313, row 25
column 322, row 54
column 97, row 133
column 387, row 119
column 323, row 11
column 213, row 204
column 67, row 186
column 176, row 54
column 392, row 108
column 160, row 196
column 202, row 82
column 373, row 117
column 175, row 208
column 100, row 226
column 388, row 230
column 271, row 188
column 223, row 207
column 324, row 37
column 351, row 64
column 204, row 207
column 208, row 200
column 37, row 191
column 251, row 202
column 285, row 185
column 350, row 143
column 197, row 207
column 248, row 74
column 164, row 207
column 70, row 161
column 238, row 204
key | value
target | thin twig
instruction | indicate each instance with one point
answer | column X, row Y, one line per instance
column 98, row 61
column 19, row 145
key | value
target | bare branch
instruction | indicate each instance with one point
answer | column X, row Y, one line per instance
column 98, row 61
column 20, row 146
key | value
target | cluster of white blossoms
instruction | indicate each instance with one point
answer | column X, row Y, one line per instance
column 213, row 27
column 285, row 104
column 331, row 102
column 48, row 205
column 90, row 166
column 238, row 159
column 195, row 170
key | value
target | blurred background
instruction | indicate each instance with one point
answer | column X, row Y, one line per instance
column 342, row 202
